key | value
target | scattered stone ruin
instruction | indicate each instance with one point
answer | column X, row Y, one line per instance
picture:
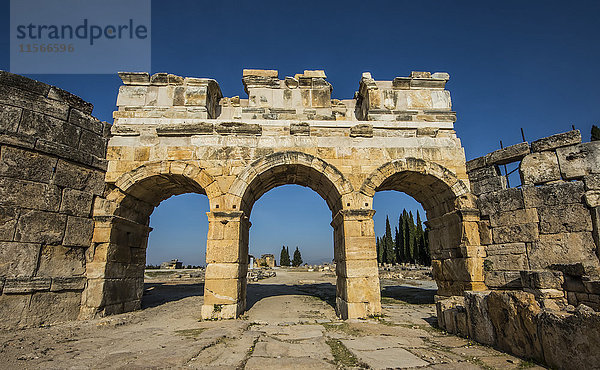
column 77, row 194
column 266, row 260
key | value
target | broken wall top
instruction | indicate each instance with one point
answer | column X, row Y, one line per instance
column 420, row 98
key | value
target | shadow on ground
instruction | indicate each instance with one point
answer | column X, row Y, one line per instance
column 257, row 291
column 407, row 294
column 156, row 294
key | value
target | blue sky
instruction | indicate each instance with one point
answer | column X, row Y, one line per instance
column 513, row 64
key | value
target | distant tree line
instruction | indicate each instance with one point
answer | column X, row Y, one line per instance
column 284, row 257
column 408, row 244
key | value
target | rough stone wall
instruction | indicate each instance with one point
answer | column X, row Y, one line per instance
column 541, row 253
column 51, row 168
column 542, row 237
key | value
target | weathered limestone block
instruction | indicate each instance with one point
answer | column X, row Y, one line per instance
column 570, row 341
column 592, row 198
column 508, row 261
column 513, row 315
column 539, row 168
column 362, row 130
column 53, row 307
column 579, row 160
column 479, row 174
column 18, row 259
column 509, row 154
column 452, row 316
column 563, row 248
column 478, row 319
column 556, row 141
column 542, row 279
column 553, row 194
column 75, row 283
column 515, row 233
column 78, row 232
column 33, row 102
column 238, row 128
column 76, row 203
column 564, row 218
column 592, row 182
column 49, row 128
column 74, row 101
column 8, row 222
column 9, row 118
column 12, row 308
column 86, row 121
column 135, row 78
column 59, row 261
column 26, row 165
column 76, row 177
column 515, row 217
column 92, row 143
column 502, row 200
column 300, row 129
column 503, row 279
column 40, row 227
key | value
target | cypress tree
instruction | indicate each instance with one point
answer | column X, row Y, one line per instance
column 595, row 133
column 400, row 241
column 297, row 260
column 426, row 242
column 379, row 250
column 407, row 241
column 284, row 257
column 389, row 243
column 419, row 240
column 397, row 245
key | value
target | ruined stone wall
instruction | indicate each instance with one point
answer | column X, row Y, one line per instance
column 541, row 253
column 51, row 168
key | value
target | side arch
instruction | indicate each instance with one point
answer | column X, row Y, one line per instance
column 434, row 186
column 452, row 218
column 117, row 257
column 170, row 177
column 290, row 167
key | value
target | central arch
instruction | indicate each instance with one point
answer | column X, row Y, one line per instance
column 264, row 174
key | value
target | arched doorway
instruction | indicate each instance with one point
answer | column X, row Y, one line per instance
column 356, row 265
column 117, row 257
column 452, row 219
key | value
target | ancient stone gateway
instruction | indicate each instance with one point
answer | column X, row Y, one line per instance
column 174, row 135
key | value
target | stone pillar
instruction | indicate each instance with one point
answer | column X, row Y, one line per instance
column 226, row 265
column 456, row 253
column 358, row 293
column 115, row 267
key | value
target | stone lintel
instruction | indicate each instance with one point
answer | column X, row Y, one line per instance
column 509, row 154
column 135, row 78
column 557, row 141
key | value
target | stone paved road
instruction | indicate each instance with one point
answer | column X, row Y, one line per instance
column 291, row 324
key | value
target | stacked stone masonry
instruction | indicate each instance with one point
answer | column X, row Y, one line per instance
column 173, row 135
column 541, row 256
column 52, row 165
